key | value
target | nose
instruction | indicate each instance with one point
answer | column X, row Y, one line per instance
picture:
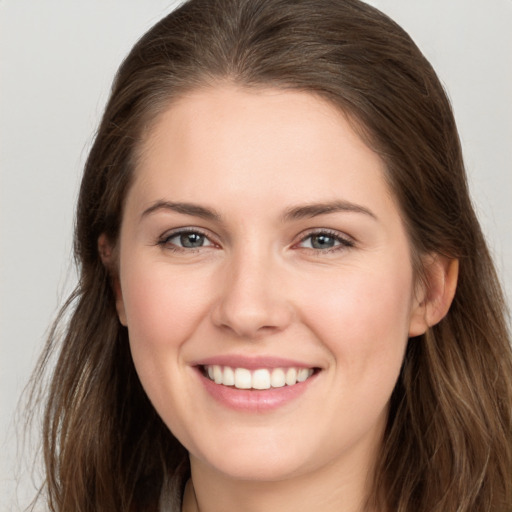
column 253, row 301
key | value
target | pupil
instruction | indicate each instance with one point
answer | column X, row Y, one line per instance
column 322, row 241
column 192, row 240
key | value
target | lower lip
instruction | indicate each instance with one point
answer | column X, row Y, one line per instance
column 255, row 399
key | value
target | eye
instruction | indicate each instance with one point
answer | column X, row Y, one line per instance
column 185, row 239
column 325, row 241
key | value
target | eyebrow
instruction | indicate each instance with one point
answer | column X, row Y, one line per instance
column 185, row 208
column 314, row 210
column 294, row 213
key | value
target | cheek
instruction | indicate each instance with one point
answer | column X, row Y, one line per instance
column 363, row 316
column 155, row 298
column 163, row 309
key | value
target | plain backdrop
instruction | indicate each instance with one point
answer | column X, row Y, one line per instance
column 57, row 60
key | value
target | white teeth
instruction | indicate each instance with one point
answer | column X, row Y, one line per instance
column 291, row 376
column 217, row 374
column 277, row 379
column 243, row 378
column 228, row 376
column 263, row 378
column 302, row 374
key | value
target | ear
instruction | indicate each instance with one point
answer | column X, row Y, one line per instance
column 108, row 257
column 436, row 295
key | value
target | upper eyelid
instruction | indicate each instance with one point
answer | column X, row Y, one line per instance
column 214, row 240
column 345, row 242
column 185, row 229
column 331, row 232
column 167, row 235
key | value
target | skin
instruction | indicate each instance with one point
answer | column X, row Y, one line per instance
column 258, row 286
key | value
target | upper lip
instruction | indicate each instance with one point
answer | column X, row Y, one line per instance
column 251, row 363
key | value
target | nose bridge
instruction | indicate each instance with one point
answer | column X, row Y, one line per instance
column 253, row 300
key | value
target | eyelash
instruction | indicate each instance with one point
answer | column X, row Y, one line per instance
column 164, row 241
column 343, row 242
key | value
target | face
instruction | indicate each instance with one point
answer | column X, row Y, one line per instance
column 266, row 283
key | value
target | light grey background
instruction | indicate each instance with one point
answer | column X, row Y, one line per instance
column 57, row 60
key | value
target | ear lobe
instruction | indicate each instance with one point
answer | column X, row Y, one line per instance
column 439, row 288
column 121, row 313
column 108, row 258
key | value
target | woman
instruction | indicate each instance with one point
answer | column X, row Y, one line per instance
column 285, row 298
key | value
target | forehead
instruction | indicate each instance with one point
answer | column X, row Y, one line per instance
column 227, row 141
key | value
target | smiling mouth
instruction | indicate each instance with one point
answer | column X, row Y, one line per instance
column 259, row 379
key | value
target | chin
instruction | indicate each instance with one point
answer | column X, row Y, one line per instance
column 262, row 460
column 260, row 470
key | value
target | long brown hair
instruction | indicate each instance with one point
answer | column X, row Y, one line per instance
column 448, row 443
